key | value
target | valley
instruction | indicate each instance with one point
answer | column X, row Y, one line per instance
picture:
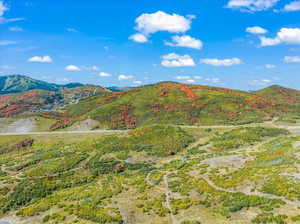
column 185, row 175
column 153, row 154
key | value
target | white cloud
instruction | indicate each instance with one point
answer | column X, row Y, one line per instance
column 104, row 74
column 185, row 41
column 72, row 30
column 270, row 66
column 89, row 68
column 175, row 60
column 183, row 77
column 7, row 67
column 221, row 62
column 293, row 6
column 213, row 80
column 285, row 36
column 161, row 21
column 292, row 59
column 256, row 30
column 40, row 59
column 137, row 82
column 124, row 77
column 16, row 29
column 190, row 80
column 264, row 41
column 260, row 82
column 197, row 77
column 251, row 5
column 3, row 9
column 138, row 37
column 72, row 68
column 7, row 42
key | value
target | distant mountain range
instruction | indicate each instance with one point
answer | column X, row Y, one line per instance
column 19, row 94
column 20, row 83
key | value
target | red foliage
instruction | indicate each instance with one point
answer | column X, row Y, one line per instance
column 124, row 119
column 164, row 92
column 111, row 97
column 28, row 142
column 184, row 88
column 61, row 123
column 287, row 97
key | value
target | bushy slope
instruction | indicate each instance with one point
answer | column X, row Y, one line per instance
column 175, row 103
column 19, row 83
column 280, row 94
column 44, row 100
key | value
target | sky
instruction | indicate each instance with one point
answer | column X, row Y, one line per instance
column 239, row 44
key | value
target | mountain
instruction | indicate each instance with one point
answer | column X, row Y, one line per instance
column 20, row 83
column 174, row 103
column 20, row 94
column 280, row 94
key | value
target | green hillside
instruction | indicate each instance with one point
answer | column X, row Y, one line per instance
column 280, row 94
column 173, row 103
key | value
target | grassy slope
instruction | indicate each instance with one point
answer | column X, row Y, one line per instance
column 280, row 94
column 175, row 104
column 34, row 100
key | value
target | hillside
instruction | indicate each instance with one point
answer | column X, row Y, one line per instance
column 280, row 94
column 174, row 103
column 42, row 96
column 20, row 83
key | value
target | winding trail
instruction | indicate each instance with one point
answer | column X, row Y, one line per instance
column 168, row 194
column 255, row 193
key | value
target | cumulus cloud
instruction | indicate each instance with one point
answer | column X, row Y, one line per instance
column 72, row 68
column 16, row 29
column 185, row 41
column 292, row 59
column 251, row 5
column 284, row 36
column 125, row 77
column 221, row 62
column 104, row 74
column 256, row 30
column 175, row 60
column 7, row 42
column 149, row 23
column 138, row 37
column 270, row 66
column 40, row 59
column 293, row 6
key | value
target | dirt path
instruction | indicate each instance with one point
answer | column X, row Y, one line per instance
column 168, row 201
column 255, row 193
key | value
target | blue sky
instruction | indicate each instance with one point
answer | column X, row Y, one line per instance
column 241, row 44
